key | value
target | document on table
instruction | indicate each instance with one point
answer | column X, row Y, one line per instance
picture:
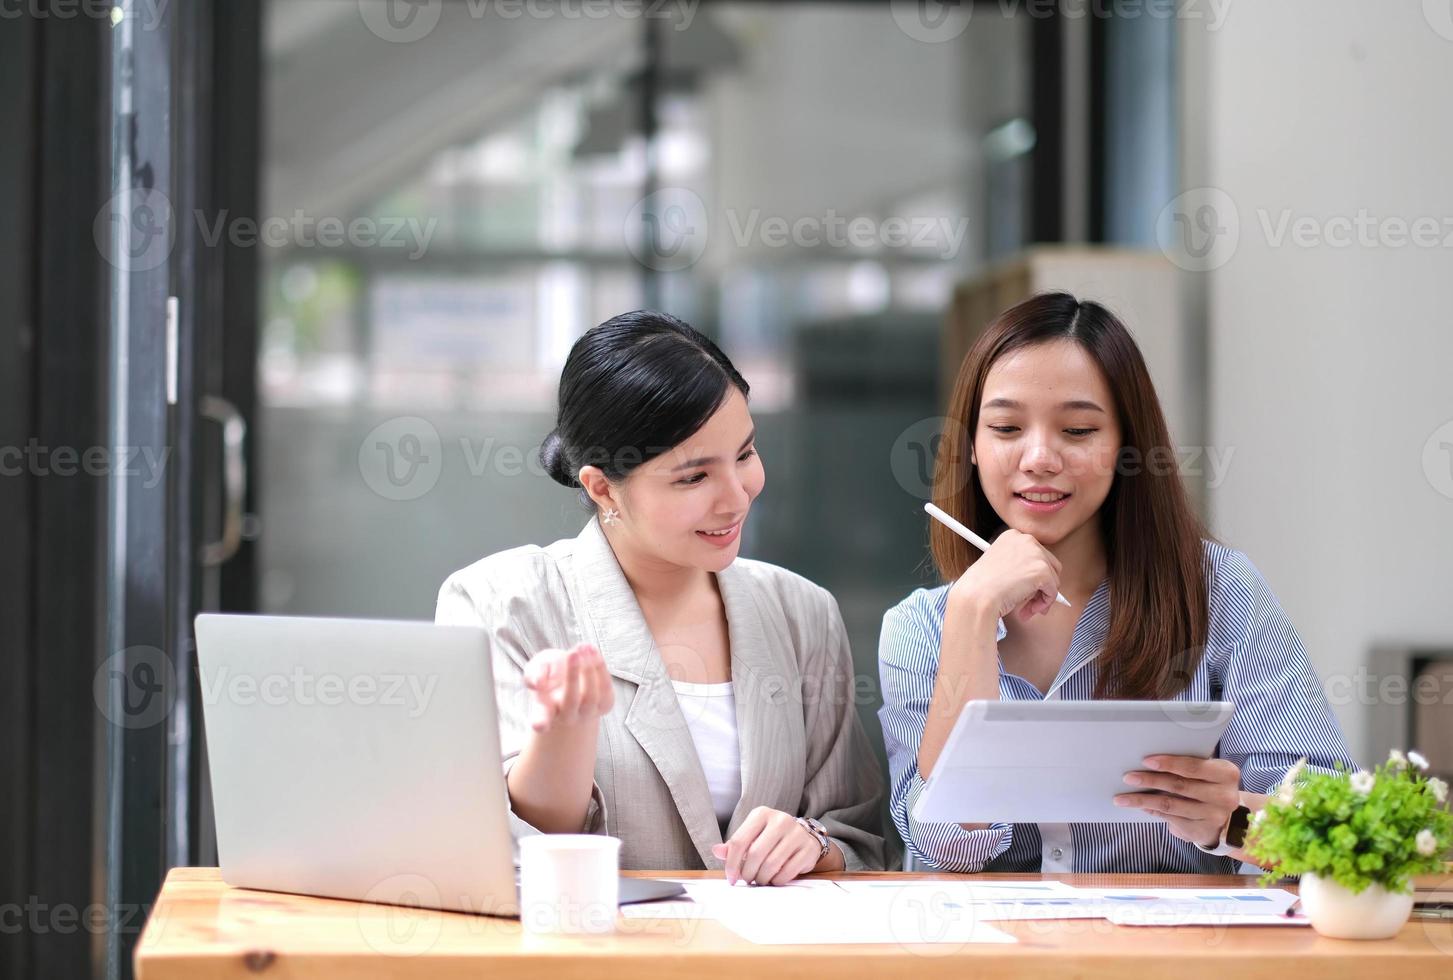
column 954, row 910
column 1195, row 906
column 825, row 913
column 1171, row 917
column 667, row 909
column 968, row 886
column 1122, row 906
column 698, row 892
column 988, row 900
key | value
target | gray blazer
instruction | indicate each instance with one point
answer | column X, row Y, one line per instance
column 803, row 749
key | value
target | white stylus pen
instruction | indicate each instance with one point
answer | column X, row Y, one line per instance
column 937, row 514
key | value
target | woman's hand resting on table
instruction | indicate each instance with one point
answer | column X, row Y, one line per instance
column 772, row 848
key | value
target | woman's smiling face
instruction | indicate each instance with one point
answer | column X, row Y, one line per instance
column 687, row 506
column 1047, row 439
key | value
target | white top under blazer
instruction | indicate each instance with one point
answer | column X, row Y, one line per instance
column 711, row 715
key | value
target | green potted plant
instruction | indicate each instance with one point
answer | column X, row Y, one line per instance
column 1356, row 839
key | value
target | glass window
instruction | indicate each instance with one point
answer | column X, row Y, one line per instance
column 818, row 179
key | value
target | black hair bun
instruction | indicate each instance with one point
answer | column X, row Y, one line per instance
column 553, row 459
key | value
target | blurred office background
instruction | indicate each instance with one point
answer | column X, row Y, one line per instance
column 328, row 257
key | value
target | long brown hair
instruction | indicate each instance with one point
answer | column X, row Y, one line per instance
column 1153, row 538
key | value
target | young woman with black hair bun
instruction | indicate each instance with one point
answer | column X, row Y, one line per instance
column 653, row 685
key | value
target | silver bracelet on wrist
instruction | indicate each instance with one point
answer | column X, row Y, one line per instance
column 818, row 831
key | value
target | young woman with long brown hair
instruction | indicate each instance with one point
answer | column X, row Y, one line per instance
column 1057, row 451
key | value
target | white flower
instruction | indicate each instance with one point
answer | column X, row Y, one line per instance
column 1288, row 788
column 1426, row 843
column 1416, row 758
column 1398, row 760
column 1362, row 782
column 1439, row 788
column 1257, row 817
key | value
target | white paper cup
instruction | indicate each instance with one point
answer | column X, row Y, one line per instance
column 569, row 883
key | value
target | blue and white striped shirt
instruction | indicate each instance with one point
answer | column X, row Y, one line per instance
column 1253, row 659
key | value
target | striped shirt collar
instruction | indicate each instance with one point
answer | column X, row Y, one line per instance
column 1085, row 644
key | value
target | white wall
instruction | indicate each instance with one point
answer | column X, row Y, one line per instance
column 1329, row 367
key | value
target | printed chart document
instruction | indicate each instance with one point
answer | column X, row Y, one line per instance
column 953, row 911
column 1003, row 901
column 1196, row 906
column 988, row 900
column 1164, row 917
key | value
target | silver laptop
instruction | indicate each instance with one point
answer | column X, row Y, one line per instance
column 360, row 759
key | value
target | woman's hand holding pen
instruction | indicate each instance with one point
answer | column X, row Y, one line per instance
column 1017, row 573
column 1195, row 797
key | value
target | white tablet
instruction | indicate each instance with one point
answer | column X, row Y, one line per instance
column 1059, row 761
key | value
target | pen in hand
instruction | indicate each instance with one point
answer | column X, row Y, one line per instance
column 938, row 514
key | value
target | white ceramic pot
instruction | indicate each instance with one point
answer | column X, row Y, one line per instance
column 1374, row 913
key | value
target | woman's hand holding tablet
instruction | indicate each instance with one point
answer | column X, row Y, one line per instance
column 1195, row 797
column 1068, row 762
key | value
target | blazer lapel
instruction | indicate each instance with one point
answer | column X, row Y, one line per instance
column 761, row 692
column 613, row 618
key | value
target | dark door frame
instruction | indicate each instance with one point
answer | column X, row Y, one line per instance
column 93, row 811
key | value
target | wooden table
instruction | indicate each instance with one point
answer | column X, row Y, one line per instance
column 200, row 928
